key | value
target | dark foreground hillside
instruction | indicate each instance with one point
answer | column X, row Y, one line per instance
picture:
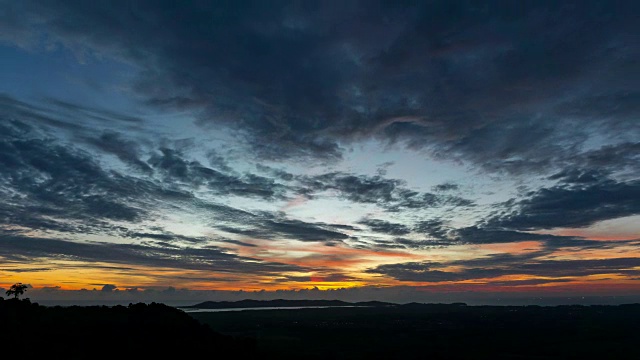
column 423, row 331
column 28, row 331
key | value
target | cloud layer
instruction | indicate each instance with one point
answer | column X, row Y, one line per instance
column 500, row 140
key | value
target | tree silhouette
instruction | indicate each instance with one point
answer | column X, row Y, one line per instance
column 16, row 290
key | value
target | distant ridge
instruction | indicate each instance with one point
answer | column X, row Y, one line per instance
column 282, row 303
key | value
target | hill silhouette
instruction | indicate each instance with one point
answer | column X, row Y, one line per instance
column 377, row 331
column 80, row 332
column 247, row 303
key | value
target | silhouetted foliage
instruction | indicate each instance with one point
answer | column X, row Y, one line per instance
column 16, row 290
column 141, row 330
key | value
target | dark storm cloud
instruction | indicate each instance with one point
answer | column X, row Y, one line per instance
column 463, row 80
column 208, row 258
column 312, row 76
column 506, row 264
column 581, row 200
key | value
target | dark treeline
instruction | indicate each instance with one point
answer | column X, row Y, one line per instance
column 29, row 330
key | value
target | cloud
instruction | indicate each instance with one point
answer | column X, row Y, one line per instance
column 506, row 264
column 420, row 244
column 390, row 194
column 21, row 270
column 62, row 115
column 46, row 183
column 108, row 288
column 126, row 150
column 167, row 236
column 580, row 200
column 270, row 226
column 50, row 185
column 435, row 228
column 543, row 92
column 529, row 282
column 20, row 248
column 475, row 235
column 239, row 243
column 446, row 187
column 459, row 81
column 385, row 227
column 175, row 167
column 84, row 112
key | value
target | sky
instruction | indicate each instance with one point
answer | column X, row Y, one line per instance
column 389, row 150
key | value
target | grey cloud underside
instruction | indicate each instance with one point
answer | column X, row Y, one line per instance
column 49, row 185
column 176, row 168
column 578, row 200
column 173, row 165
column 21, row 248
column 330, row 277
column 43, row 180
column 390, row 194
column 126, row 150
column 385, row 227
column 496, row 84
column 63, row 115
column 434, row 234
column 276, row 227
column 506, row 264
